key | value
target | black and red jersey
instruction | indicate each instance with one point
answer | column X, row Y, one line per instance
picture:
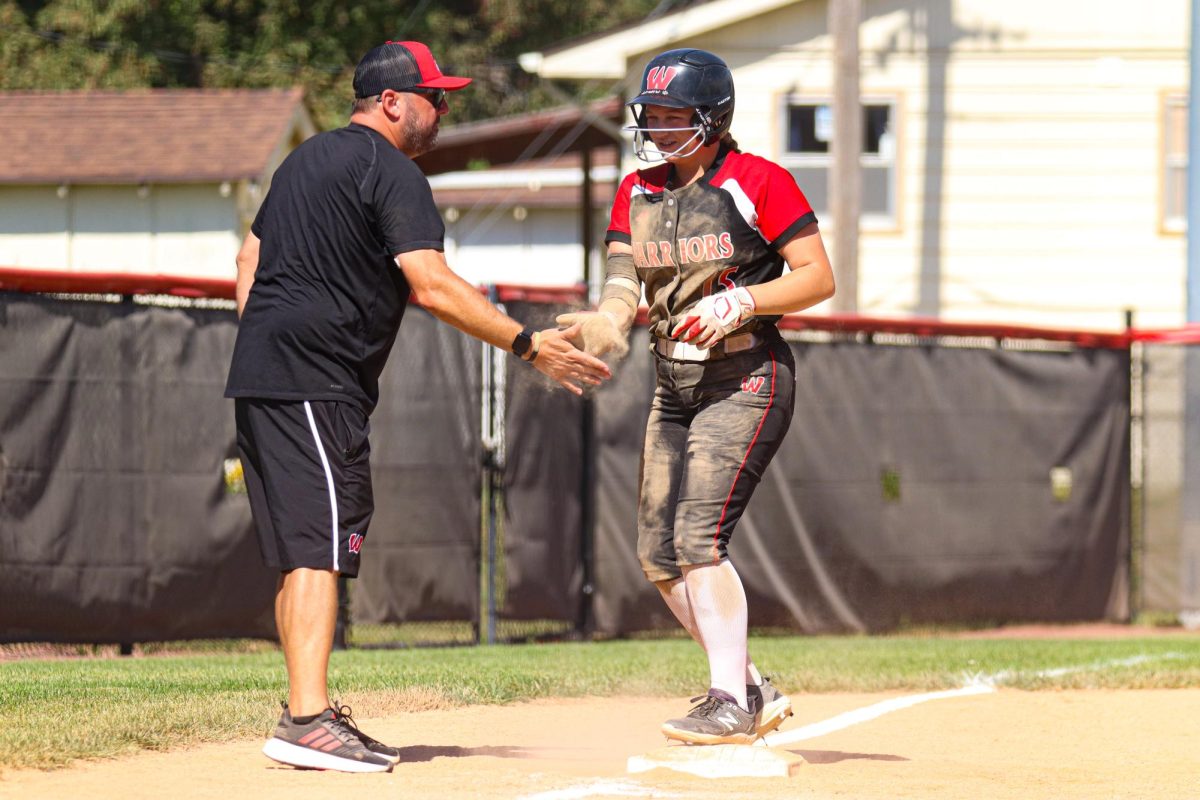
column 328, row 298
column 722, row 231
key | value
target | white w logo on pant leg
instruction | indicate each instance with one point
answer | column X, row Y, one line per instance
column 753, row 384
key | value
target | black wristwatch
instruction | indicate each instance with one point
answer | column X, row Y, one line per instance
column 522, row 343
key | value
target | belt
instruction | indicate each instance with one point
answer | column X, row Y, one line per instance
column 682, row 351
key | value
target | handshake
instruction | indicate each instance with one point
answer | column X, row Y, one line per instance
column 595, row 333
column 598, row 333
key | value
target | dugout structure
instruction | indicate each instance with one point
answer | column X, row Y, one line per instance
column 934, row 474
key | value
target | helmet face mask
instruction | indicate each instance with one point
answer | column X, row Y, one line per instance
column 647, row 150
column 687, row 79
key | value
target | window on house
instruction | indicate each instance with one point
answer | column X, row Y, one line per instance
column 809, row 131
column 1174, row 179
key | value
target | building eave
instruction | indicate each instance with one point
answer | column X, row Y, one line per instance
column 607, row 56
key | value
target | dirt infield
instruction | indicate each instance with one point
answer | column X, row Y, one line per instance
column 998, row 745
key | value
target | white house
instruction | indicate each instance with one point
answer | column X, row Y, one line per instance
column 1023, row 161
column 160, row 181
column 519, row 211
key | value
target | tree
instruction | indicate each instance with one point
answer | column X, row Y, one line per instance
column 123, row 44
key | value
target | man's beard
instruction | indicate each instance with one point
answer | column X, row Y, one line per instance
column 418, row 141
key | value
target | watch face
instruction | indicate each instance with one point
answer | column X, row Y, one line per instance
column 522, row 343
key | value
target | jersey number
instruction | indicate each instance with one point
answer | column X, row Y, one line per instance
column 724, row 278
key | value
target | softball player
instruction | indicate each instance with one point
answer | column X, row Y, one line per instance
column 706, row 234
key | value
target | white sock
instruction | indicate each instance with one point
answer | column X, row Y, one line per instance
column 717, row 602
column 753, row 676
column 674, row 594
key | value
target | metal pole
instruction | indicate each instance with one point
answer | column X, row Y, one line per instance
column 1189, row 550
column 1193, row 174
column 493, row 465
column 585, row 221
column 845, row 179
column 341, row 626
column 1136, row 399
column 587, row 535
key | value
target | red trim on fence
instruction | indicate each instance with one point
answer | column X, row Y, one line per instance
column 14, row 279
column 18, row 279
column 40, row 280
column 507, row 292
column 1188, row 334
column 918, row 326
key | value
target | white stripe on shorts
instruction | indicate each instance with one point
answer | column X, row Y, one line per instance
column 312, row 423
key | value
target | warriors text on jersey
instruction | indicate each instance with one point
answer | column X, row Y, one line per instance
column 722, row 231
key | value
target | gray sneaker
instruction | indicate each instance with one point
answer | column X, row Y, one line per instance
column 327, row 742
column 773, row 706
column 713, row 721
column 375, row 746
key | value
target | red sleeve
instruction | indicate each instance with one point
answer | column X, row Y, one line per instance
column 618, row 225
column 782, row 208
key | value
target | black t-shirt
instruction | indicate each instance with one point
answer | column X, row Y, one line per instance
column 328, row 296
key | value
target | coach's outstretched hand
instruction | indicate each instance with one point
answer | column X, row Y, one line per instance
column 559, row 359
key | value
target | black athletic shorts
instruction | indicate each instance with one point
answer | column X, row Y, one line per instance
column 308, row 475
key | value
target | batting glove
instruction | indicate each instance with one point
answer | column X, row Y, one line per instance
column 708, row 322
column 599, row 335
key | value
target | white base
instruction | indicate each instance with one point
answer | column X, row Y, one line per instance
column 719, row 761
column 297, row 756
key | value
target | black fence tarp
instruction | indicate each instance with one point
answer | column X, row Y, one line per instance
column 421, row 559
column 116, row 521
column 543, row 487
column 917, row 485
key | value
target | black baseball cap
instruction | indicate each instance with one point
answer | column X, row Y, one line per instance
column 401, row 65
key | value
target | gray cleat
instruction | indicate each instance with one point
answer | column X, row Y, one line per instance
column 713, row 721
column 773, row 706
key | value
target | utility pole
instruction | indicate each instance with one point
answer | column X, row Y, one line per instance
column 1189, row 555
column 845, row 177
column 1193, row 171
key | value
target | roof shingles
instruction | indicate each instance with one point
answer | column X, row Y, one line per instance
column 143, row 136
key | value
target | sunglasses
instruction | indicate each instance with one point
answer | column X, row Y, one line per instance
column 434, row 96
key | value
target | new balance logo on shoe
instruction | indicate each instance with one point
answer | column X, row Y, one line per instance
column 714, row 721
column 729, row 720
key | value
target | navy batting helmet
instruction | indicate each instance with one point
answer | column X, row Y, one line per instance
column 685, row 78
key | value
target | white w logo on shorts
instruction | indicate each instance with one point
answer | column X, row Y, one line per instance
column 752, row 384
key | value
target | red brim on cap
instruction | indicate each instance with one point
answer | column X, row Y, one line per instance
column 448, row 82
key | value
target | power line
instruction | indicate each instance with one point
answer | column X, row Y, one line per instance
column 507, row 201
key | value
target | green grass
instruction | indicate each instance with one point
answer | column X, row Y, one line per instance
column 60, row 710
